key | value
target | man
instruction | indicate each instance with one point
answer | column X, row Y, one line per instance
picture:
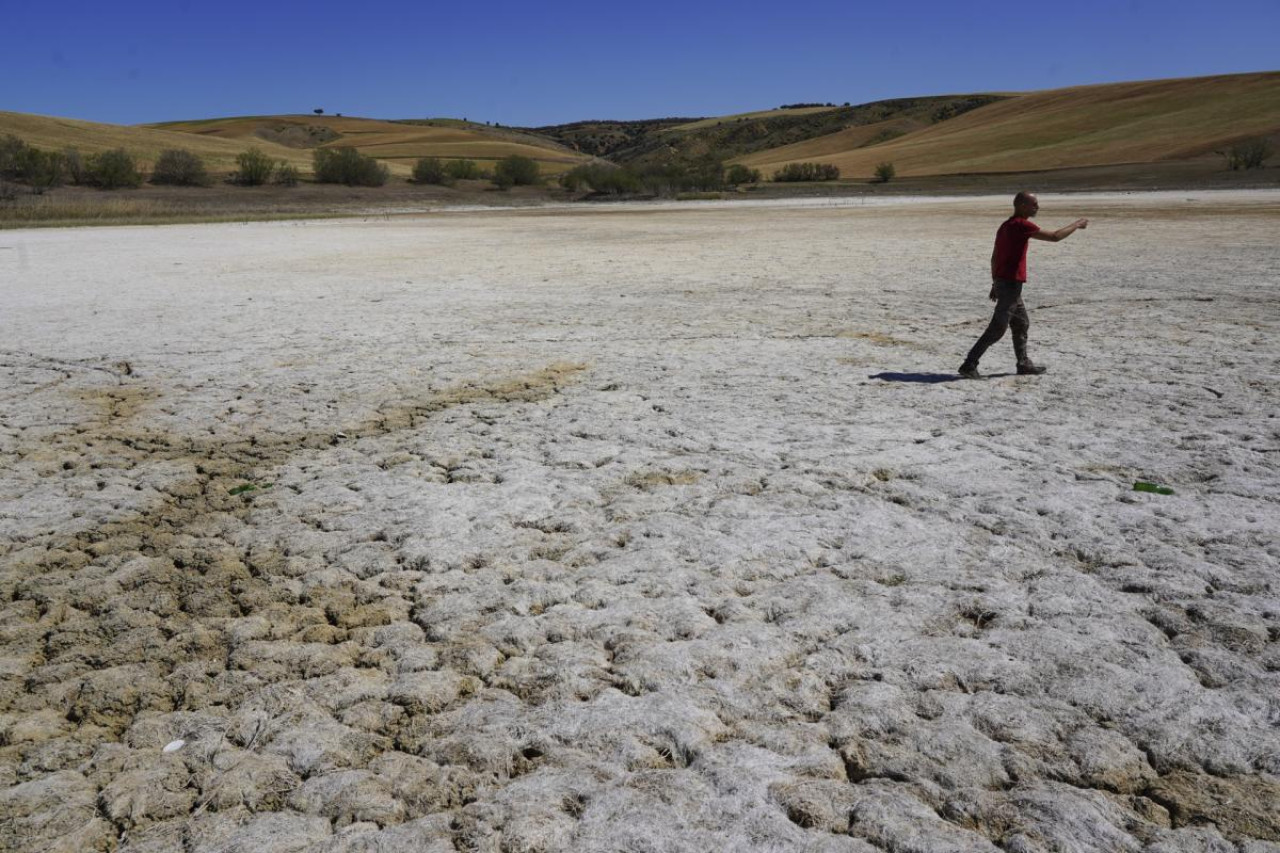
column 1008, row 274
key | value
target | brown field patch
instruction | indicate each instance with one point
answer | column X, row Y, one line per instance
column 874, row 337
column 145, row 143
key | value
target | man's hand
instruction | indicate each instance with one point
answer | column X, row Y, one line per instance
column 1062, row 233
column 992, row 295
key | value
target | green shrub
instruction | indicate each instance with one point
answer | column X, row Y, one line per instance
column 601, row 178
column 516, row 171
column 286, row 174
column 12, row 150
column 462, row 170
column 253, row 168
column 77, row 170
column 181, row 168
column 1249, row 155
column 40, row 170
column 348, row 166
column 45, row 169
column 704, row 173
column 112, row 170
column 807, row 172
column 740, row 174
column 885, row 172
column 429, row 170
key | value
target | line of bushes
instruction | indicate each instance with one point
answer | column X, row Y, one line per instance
column 701, row 174
column 513, row 171
column 807, row 172
column 433, row 170
column 44, row 170
column 254, row 168
column 118, row 169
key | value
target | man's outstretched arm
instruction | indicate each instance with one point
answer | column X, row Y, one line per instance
column 1062, row 233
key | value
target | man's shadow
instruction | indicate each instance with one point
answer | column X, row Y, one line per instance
column 929, row 378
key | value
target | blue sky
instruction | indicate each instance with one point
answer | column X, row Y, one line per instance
column 531, row 64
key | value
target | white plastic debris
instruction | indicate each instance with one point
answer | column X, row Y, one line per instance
column 174, row 745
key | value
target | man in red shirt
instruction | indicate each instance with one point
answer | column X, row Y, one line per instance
column 1008, row 274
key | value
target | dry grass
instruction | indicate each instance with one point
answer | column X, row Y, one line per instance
column 1139, row 122
column 874, row 337
column 226, row 203
column 145, row 143
column 51, row 213
column 397, row 144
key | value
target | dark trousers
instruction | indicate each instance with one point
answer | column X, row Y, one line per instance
column 1010, row 313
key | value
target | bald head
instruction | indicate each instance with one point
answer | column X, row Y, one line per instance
column 1025, row 204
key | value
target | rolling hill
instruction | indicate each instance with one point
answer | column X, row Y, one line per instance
column 56, row 134
column 397, row 143
column 292, row 138
column 657, row 141
column 1116, row 123
column 1145, row 122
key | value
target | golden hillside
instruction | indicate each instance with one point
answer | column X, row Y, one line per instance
column 398, row 144
column 1114, row 123
column 56, row 134
column 292, row 138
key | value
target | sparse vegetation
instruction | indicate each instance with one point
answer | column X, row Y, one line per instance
column 886, row 135
column 601, row 177
column 179, row 167
column 960, row 106
column 253, row 168
column 885, row 172
column 348, row 166
column 516, row 171
column 1252, row 154
column 806, row 172
column 286, row 174
column 429, row 170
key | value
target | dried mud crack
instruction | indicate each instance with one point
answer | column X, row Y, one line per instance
column 756, row 579
column 130, row 617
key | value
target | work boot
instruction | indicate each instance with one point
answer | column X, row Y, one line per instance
column 969, row 370
column 1027, row 368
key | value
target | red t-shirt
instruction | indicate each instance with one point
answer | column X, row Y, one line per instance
column 1011, row 248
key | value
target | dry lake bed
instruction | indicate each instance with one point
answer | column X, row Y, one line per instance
column 642, row 528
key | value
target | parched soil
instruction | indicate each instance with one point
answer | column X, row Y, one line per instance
column 642, row 527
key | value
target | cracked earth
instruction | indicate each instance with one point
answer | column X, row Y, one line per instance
column 642, row 528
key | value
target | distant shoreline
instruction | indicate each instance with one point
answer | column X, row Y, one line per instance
column 148, row 205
